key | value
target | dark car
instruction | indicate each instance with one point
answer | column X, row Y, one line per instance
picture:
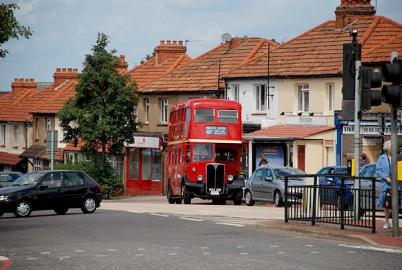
column 7, row 178
column 51, row 190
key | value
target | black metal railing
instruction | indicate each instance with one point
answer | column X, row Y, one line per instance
column 335, row 199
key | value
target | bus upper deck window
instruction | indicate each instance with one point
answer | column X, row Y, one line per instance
column 204, row 115
column 227, row 116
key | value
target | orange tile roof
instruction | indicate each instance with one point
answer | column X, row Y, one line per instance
column 11, row 105
column 319, row 50
column 151, row 69
column 382, row 52
column 9, row 159
column 202, row 73
column 288, row 131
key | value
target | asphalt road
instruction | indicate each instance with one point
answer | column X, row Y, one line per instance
column 121, row 240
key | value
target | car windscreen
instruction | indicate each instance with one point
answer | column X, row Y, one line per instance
column 5, row 178
column 282, row 172
column 28, row 179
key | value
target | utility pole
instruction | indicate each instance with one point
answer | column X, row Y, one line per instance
column 394, row 173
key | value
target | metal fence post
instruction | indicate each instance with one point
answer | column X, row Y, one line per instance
column 286, row 199
column 342, row 202
column 373, row 203
column 314, row 200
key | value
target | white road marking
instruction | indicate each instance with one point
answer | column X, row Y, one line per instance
column 207, row 253
column 78, row 251
column 140, row 248
column 191, row 219
column 139, row 255
column 64, row 257
column 280, row 252
column 111, row 249
column 274, row 246
column 45, row 253
column 172, row 253
column 309, row 245
column 31, row 258
column 159, row 215
column 230, row 224
column 314, row 252
column 203, row 247
column 386, row 250
column 100, row 255
column 240, row 246
column 243, row 253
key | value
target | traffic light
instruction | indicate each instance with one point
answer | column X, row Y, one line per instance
column 392, row 93
column 351, row 53
column 370, row 79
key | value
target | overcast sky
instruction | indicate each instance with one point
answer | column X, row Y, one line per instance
column 65, row 30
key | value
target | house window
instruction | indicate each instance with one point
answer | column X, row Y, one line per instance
column 164, row 110
column 261, row 97
column 36, row 128
column 331, row 92
column 146, row 110
column 3, row 135
column 48, row 124
column 235, row 92
column 135, row 111
column 16, row 134
column 303, row 97
column 37, row 164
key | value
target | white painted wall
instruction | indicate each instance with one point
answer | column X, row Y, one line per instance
column 16, row 145
column 247, row 97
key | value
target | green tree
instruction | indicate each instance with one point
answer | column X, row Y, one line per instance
column 102, row 113
column 9, row 26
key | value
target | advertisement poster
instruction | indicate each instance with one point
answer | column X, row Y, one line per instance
column 274, row 154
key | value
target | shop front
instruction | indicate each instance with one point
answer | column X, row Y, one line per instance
column 143, row 166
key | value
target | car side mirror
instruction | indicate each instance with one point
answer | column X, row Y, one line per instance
column 269, row 179
column 43, row 187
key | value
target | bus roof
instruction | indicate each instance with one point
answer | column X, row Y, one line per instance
column 208, row 103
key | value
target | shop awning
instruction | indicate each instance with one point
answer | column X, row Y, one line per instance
column 288, row 132
column 9, row 159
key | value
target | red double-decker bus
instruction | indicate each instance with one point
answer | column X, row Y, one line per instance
column 204, row 150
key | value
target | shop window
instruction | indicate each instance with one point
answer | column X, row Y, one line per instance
column 157, row 165
column 134, row 163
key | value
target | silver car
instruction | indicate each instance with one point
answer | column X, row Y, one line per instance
column 267, row 184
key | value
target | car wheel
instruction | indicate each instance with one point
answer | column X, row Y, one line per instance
column 88, row 205
column 278, row 199
column 23, row 209
column 237, row 198
column 169, row 194
column 249, row 198
column 61, row 210
column 185, row 195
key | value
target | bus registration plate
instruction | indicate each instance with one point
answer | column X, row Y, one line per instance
column 215, row 191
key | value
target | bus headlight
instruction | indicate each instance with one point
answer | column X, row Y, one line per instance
column 230, row 178
column 199, row 177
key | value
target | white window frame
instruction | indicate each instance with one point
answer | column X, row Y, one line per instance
column 16, row 132
column 3, row 134
column 38, row 164
column 302, row 91
column 146, row 110
column 36, row 128
column 236, row 92
column 261, row 104
column 164, row 110
column 331, row 96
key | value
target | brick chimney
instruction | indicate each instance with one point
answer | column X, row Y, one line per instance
column 20, row 84
column 122, row 66
column 168, row 49
column 63, row 74
column 349, row 9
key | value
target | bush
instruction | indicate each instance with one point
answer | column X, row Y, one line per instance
column 112, row 183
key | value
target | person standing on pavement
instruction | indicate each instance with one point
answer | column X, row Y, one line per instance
column 364, row 160
column 383, row 170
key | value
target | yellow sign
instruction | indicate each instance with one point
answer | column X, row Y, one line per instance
column 399, row 168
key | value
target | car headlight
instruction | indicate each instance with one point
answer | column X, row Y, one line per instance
column 199, row 177
column 3, row 197
column 230, row 178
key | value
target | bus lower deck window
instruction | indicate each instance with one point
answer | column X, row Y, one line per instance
column 202, row 152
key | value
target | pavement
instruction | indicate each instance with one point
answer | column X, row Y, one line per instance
column 130, row 240
column 263, row 216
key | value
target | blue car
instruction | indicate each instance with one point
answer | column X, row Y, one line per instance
column 331, row 191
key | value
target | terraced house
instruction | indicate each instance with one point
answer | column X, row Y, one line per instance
column 294, row 90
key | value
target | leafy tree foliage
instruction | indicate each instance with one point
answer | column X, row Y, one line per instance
column 102, row 113
column 10, row 27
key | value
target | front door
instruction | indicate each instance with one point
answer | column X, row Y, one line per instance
column 49, row 193
column 301, row 153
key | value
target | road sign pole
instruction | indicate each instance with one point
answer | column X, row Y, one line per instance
column 394, row 161
column 356, row 140
column 52, row 150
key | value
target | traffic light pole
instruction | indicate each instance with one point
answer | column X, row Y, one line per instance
column 394, row 161
column 356, row 140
